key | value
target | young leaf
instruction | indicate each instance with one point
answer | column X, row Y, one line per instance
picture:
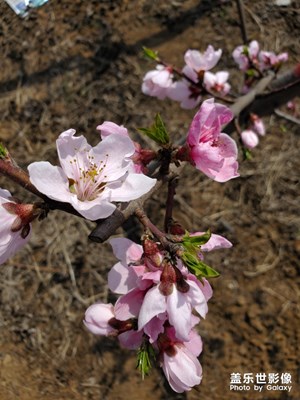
column 198, row 267
column 157, row 131
column 3, row 151
column 247, row 154
column 151, row 54
column 196, row 240
column 144, row 356
column 251, row 72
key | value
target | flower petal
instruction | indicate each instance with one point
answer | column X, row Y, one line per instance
column 133, row 187
column 50, row 180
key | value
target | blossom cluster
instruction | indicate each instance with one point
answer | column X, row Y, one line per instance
column 249, row 57
column 161, row 287
column 156, row 308
column 194, row 81
column 94, row 179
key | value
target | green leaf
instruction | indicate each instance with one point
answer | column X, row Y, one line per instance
column 198, row 267
column 3, row 151
column 196, row 240
column 283, row 128
column 157, row 131
column 151, row 54
column 245, row 50
column 251, row 72
column 144, row 356
column 247, row 154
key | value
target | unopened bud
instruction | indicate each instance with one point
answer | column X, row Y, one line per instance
column 167, row 279
column 152, row 252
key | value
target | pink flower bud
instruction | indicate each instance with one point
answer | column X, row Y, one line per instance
column 249, row 138
column 258, row 125
column 97, row 318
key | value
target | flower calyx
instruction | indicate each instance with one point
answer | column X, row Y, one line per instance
column 152, row 252
column 25, row 214
column 172, row 276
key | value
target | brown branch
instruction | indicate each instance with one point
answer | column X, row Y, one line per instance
column 11, row 170
column 105, row 228
column 257, row 101
column 267, row 103
column 170, row 202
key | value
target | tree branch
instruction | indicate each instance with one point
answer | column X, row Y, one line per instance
column 257, row 101
column 10, row 169
column 105, row 228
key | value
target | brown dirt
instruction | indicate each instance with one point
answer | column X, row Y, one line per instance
column 76, row 64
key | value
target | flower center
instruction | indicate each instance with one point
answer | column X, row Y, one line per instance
column 87, row 183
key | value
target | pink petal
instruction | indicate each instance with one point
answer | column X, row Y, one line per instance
column 109, row 128
column 133, row 187
column 126, row 250
column 50, row 180
column 131, row 340
column 216, row 242
column 128, row 305
column 179, row 311
column 154, row 303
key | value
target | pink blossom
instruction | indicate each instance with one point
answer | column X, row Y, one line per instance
column 91, row 178
column 268, row 59
column 183, row 92
column 143, row 296
column 249, row 138
column 244, row 55
column 197, row 61
column 212, row 152
column 217, row 81
column 156, row 82
column 109, row 128
column 14, row 231
column 177, row 298
column 179, row 360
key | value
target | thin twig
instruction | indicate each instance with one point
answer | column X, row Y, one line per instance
column 170, row 202
column 241, row 10
column 287, row 116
